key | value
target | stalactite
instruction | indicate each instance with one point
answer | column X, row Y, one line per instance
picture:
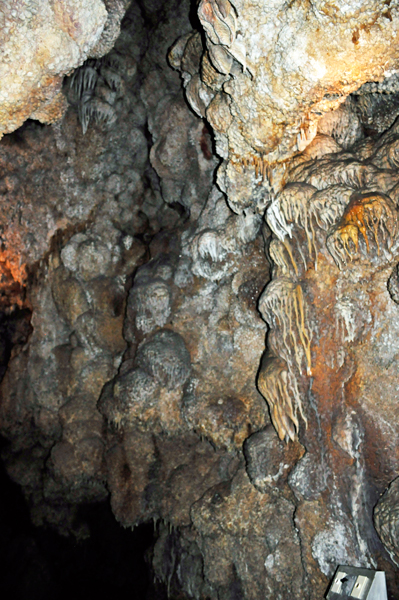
column 282, row 305
column 280, row 390
column 373, row 216
column 277, row 251
column 293, row 206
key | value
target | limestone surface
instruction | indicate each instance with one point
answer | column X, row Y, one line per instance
column 268, row 73
column 330, row 362
column 229, row 376
column 40, row 42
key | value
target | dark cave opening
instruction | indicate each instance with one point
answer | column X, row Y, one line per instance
column 39, row 564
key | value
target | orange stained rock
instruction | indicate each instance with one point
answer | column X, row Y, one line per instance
column 370, row 213
column 13, row 277
column 373, row 211
column 355, row 220
column 350, row 233
column 13, row 272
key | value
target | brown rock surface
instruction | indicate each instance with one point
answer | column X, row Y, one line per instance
column 140, row 377
column 335, row 245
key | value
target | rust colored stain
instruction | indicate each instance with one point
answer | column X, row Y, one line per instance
column 13, row 278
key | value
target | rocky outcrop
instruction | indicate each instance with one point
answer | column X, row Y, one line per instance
column 267, row 75
column 218, row 357
column 42, row 41
column 79, row 229
column 334, row 245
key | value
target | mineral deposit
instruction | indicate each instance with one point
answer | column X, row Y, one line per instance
column 199, row 283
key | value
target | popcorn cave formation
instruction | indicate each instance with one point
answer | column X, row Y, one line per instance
column 199, row 297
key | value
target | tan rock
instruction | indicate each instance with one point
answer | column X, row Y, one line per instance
column 284, row 69
column 40, row 42
column 333, row 317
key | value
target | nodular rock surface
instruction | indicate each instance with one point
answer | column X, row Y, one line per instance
column 268, row 72
column 219, row 358
column 40, row 42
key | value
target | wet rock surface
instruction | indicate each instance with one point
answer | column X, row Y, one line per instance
column 217, row 357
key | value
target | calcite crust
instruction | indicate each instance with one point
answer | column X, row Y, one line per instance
column 172, row 329
column 269, row 72
column 41, row 41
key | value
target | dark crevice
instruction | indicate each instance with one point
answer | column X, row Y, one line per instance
column 39, row 564
column 15, row 329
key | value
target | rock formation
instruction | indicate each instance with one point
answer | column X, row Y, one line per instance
column 40, row 42
column 268, row 74
column 200, row 305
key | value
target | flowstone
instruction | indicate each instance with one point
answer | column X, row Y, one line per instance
column 216, row 355
column 268, row 74
column 335, row 238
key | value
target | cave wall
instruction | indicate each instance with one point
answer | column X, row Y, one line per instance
column 198, row 265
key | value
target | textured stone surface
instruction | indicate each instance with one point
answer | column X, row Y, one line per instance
column 335, row 244
column 160, row 317
column 269, row 462
column 386, row 519
column 40, row 42
column 269, row 73
column 78, row 229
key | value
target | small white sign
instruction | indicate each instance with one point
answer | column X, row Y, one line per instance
column 354, row 582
